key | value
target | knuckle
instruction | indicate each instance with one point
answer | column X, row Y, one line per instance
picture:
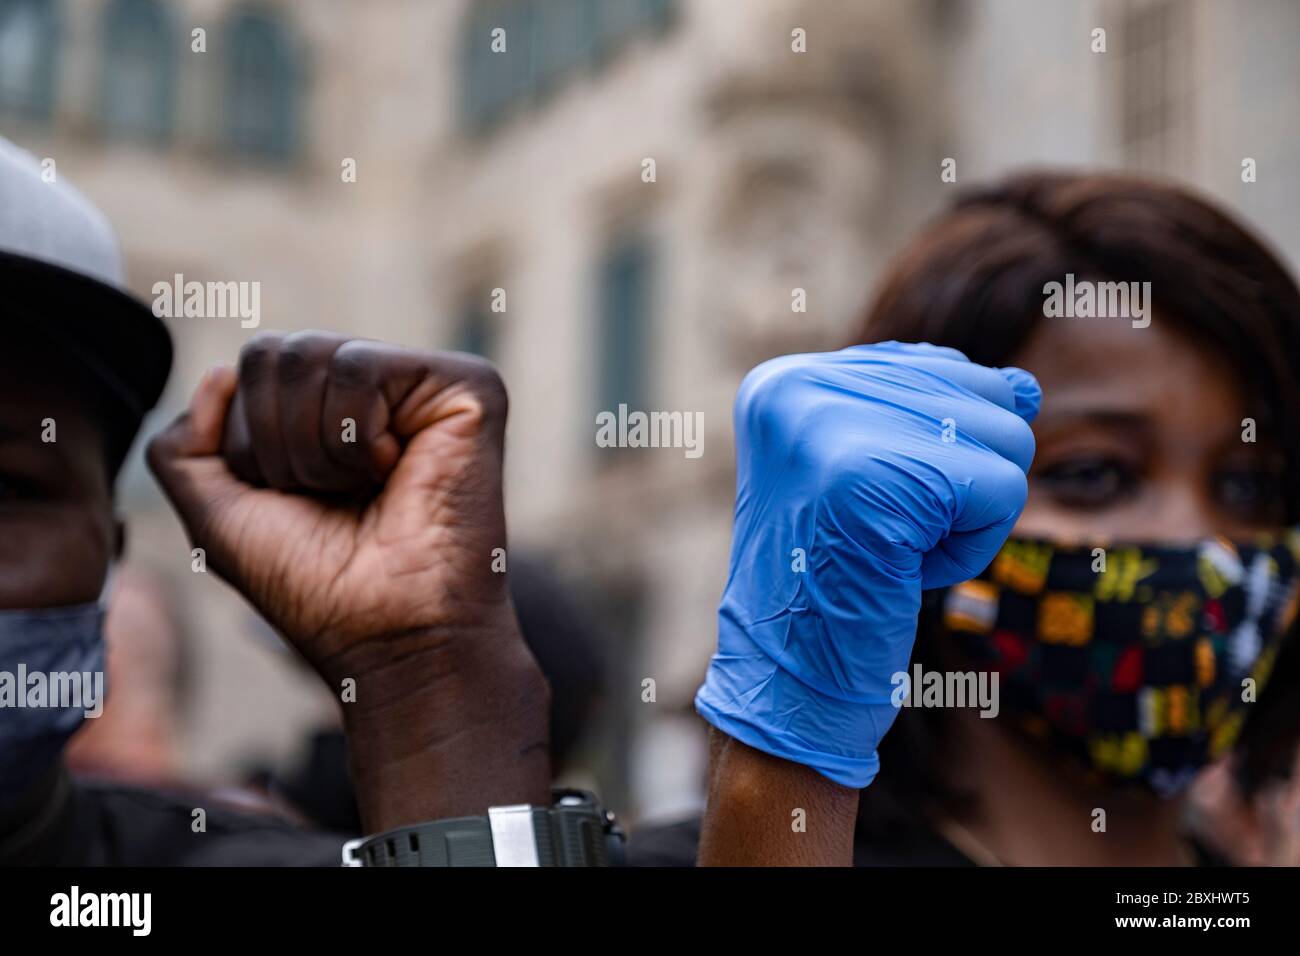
column 758, row 397
column 1010, row 483
column 1017, row 439
column 473, row 375
column 352, row 365
column 299, row 359
column 486, row 382
column 349, row 453
column 258, row 354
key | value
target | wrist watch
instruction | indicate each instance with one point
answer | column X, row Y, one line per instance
column 573, row 831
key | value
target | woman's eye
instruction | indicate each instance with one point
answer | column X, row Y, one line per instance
column 1088, row 482
column 1254, row 492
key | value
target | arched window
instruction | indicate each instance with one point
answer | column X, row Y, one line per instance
column 261, row 87
column 139, row 69
column 28, row 53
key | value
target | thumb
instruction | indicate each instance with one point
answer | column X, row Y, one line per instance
column 185, row 456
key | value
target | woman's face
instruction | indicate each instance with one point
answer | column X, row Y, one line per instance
column 1140, row 438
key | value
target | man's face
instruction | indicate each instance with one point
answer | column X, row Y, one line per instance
column 57, row 531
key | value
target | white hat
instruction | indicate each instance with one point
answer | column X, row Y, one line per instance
column 52, row 222
column 61, row 275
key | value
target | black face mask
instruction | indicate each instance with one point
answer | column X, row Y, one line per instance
column 1142, row 660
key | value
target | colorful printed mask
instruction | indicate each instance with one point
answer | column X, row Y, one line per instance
column 1142, row 660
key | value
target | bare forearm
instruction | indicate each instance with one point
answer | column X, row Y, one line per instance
column 765, row 811
column 447, row 733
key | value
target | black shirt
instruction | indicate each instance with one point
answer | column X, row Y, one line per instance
column 78, row 823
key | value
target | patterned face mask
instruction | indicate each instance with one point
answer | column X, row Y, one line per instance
column 1141, row 660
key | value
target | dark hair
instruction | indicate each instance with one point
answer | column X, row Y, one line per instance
column 973, row 280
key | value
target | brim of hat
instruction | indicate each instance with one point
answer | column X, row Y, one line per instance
column 112, row 334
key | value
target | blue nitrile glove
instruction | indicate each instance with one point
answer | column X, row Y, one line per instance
column 862, row 477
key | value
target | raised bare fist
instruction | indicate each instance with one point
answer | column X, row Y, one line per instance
column 351, row 490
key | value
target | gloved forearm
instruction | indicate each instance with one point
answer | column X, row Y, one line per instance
column 863, row 477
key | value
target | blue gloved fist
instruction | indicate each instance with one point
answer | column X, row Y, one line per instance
column 863, row 477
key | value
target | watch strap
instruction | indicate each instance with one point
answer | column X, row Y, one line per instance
column 573, row 832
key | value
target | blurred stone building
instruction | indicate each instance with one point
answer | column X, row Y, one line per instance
column 619, row 202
